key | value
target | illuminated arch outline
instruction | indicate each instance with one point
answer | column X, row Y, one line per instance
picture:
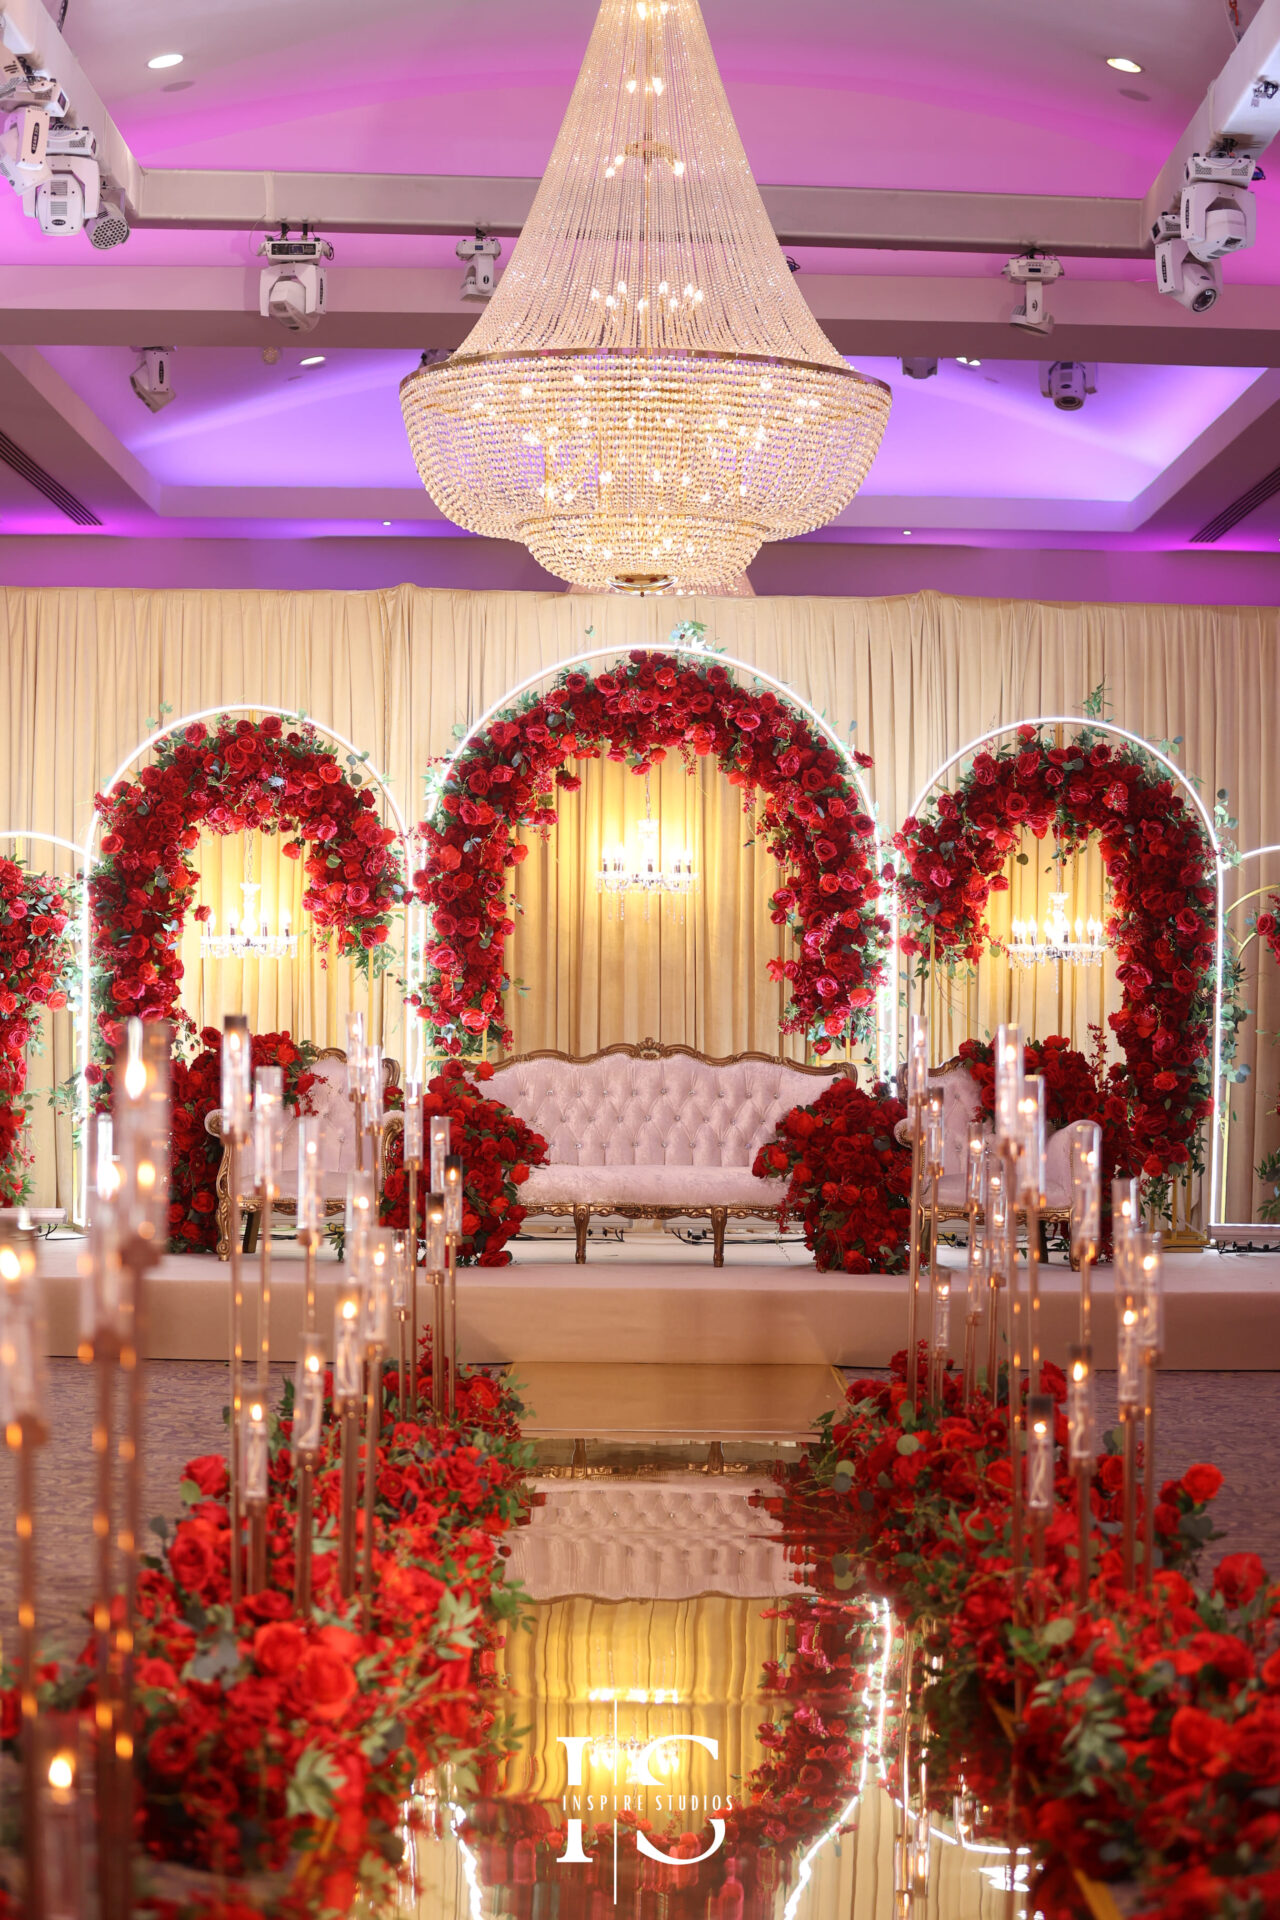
column 886, row 997
column 1083, row 722
column 144, row 746
column 1218, row 1197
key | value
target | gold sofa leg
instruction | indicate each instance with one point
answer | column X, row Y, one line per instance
column 719, row 1220
column 581, row 1222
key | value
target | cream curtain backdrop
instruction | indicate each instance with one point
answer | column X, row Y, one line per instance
column 907, row 679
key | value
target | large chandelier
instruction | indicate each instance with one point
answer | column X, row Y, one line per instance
column 620, row 874
column 647, row 397
column 247, row 935
column 1084, row 945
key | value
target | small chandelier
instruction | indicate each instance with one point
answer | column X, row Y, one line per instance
column 647, row 398
column 646, row 875
column 248, row 937
column 1084, row 944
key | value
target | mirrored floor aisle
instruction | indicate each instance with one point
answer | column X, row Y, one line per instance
column 676, row 1692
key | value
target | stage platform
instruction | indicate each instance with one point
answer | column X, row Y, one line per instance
column 655, row 1300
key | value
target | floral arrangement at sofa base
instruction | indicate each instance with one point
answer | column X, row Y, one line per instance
column 276, row 1753
column 1161, row 867
column 810, row 815
column 848, row 1179
column 38, row 968
column 1149, row 1746
column 498, row 1151
column 230, row 776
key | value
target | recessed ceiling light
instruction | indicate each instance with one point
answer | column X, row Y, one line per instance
column 165, row 60
column 906, row 533
column 386, row 523
column 1121, row 65
column 312, row 360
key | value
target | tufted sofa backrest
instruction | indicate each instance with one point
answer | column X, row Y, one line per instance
column 676, row 1112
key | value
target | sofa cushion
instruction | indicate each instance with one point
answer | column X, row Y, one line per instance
column 672, row 1112
column 648, row 1186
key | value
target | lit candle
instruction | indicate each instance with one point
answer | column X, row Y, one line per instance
column 256, row 1455
column 917, row 1059
column 976, row 1274
column 413, row 1128
column 268, row 1131
column 453, row 1197
column 308, row 1396
column 376, row 1293
column 1031, row 1113
column 355, row 1049
column 1080, row 1430
column 1150, row 1273
column 348, row 1348
column 1086, row 1190
column 310, row 1200
column 439, row 1135
column 935, row 1145
column 435, row 1232
column 975, row 1164
column 236, row 1078
column 1128, row 1351
column 1009, row 1079
column 141, row 1132
column 1039, row 1454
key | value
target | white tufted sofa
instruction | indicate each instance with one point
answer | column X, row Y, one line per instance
column 653, row 1132
column 330, row 1103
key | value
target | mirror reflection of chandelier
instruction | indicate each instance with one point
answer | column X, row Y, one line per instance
column 248, row 936
column 621, row 874
column 1084, row 944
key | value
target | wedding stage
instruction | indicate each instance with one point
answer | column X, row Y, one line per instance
column 651, row 1300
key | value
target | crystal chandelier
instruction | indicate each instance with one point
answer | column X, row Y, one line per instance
column 1085, row 944
column 646, row 875
column 647, row 397
column 248, row 937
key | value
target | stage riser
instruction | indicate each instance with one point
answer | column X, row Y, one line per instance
column 1219, row 1316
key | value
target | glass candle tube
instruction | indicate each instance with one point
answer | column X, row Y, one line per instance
column 935, row 1144
column 268, row 1130
column 439, row 1137
column 1148, row 1249
column 1086, row 1190
column 348, row 1347
column 308, row 1395
column 1040, row 1418
column 976, row 1275
column 453, row 1196
column 413, row 1132
column 1010, row 1068
column 1125, row 1213
column 141, row 1131
column 254, row 1451
column 975, row 1164
column 400, row 1276
column 355, row 1050
column 435, row 1232
column 21, row 1345
column 917, row 1058
column 1032, row 1140
column 359, row 1213
column 1081, row 1442
column 375, row 1301
column 1128, row 1351
column 236, row 1077
column 310, row 1174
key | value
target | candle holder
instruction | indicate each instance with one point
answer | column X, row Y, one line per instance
column 1086, row 1215
column 236, row 1112
column 1010, row 1134
column 355, row 1075
column 453, row 1189
column 22, row 1413
column 413, row 1157
column 308, row 1425
column 310, row 1211
column 375, row 1328
column 348, row 1392
column 437, row 1255
column 401, row 1289
column 268, row 1154
column 65, row 1788
column 976, row 1281
column 372, row 1112
column 993, row 1256
column 1040, row 1451
column 360, row 1214
column 934, row 1158
column 917, row 1095
column 1081, row 1454
column 1129, row 1395
column 1149, row 1249
column 254, row 1454
column 1031, row 1166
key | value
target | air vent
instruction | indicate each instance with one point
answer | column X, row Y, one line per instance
column 53, row 490
column 1258, row 494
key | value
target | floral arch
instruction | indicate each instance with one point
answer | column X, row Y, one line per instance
column 815, row 815
column 38, row 968
column 227, row 772
column 1166, row 869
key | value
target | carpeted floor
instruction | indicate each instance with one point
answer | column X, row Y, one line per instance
column 1232, row 1419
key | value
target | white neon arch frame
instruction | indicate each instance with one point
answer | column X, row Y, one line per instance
column 1218, row 1198
column 886, row 993
column 1222, row 867
column 145, row 746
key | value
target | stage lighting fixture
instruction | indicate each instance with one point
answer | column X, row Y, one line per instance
column 150, row 378
column 292, row 286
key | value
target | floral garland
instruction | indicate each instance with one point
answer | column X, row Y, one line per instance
column 1161, row 868
column 498, row 1151
column 194, row 1154
column 810, row 815
column 277, row 1751
column 38, row 968
column 848, row 1178
column 1150, row 1744
column 233, row 776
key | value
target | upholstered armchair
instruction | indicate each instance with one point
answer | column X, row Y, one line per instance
column 961, row 1105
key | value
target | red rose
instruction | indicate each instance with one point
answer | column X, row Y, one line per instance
column 1201, row 1741
column 278, row 1648
column 1237, row 1577
column 192, row 1557
column 324, row 1683
column 171, row 1751
column 209, row 1473
column 1201, row 1482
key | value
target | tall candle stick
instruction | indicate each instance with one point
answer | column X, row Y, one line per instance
column 348, row 1386
column 437, row 1254
column 1086, row 1214
column 22, row 1416
column 1150, row 1258
column 310, row 1211
column 1031, row 1113
column 935, row 1156
column 917, row 1093
column 308, row 1419
column 453, row 1188
column 375, row 1312
column 413, row 1155
column 1129, row 1395
column 268, row 1148
column 236, row 1066
column 1080, row 1454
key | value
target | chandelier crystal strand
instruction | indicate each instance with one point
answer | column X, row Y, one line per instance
column 1085, row 944
column 249, row 938
column 646, row 397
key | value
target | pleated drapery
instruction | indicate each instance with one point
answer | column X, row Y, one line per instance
column 908, row 680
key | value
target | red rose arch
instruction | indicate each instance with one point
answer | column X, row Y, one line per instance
column 809, row 812
column 1161, row 864
column 231, row 776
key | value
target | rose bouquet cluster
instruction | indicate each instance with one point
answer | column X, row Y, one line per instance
column 808, row 812
column 848, row 1179
column 194, row 1154
column 1268, row 924
column 1149, row 1748
column 277, row 1752
column 38, row 967
column 232, row 776
column 498, row 1151
column 1160, row 865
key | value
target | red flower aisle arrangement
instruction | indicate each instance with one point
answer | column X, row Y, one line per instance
column 38, row 966
column 232, row 776
column 1149, row 1748
column 498, row 1151
column 1160, row 865
column 194, row 1155
column 811, row 817
column 849, row 1181
column 276, row 1752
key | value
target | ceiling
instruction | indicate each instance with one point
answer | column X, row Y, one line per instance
column 1006, row 98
